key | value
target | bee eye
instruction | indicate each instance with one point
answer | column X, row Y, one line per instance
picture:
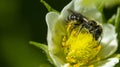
column 73, row 17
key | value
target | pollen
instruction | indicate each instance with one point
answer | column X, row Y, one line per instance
column 81, row 48
column 91, row 66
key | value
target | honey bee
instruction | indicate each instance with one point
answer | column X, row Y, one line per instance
column 78, row 19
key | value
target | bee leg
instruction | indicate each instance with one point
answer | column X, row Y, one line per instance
column 81, row 27
column 100, row 40
column 93, row 33
column 96, row 37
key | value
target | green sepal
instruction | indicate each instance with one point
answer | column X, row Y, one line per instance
column 49, row 8
column 112, row 20
column 117, row 56
column 43, row 47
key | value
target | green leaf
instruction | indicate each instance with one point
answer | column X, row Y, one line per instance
column 117, row 24
column 44, row 48
column 117, row 20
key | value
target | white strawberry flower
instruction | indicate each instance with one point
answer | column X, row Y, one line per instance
column 56, row 23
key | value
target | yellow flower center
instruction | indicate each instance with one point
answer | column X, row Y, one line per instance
column 80, row 47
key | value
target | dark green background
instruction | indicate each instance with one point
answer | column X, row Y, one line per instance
column 20, row 22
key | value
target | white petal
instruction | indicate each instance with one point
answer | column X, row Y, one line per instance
column 66, row 65
column 50, row 19
column 88, row 9
column 107, row 63
column 56, row 31
column 109, row 41
column 65, row 13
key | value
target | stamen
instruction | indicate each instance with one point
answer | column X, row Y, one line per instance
column 81, row 48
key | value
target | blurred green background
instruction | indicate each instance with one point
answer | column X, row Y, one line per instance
column 20, row 22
